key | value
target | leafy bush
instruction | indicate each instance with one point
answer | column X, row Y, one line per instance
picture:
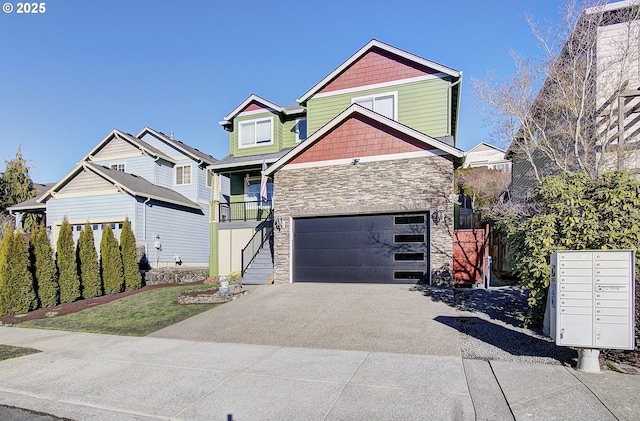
column 44, row 268
column 68, row 270
column 89, row 268
column 571, row 212
column 132, row 278
column 111, row 262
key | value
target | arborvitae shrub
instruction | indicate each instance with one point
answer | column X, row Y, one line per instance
column 132, row 278
column 5, row 272
column 68, row 270
column 23, row 292
column 111, row 262
column 88, row 265
column 44, row 268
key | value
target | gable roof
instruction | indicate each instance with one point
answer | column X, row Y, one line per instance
column 144, row 147
column 287, row 110
column 33, row 204
column 193, row 153
column 485, row 146
column 129, row 183
column 356, row 109
column 364, row 50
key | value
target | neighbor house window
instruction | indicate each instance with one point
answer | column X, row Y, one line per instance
column 255, row 132
column 183, row 175
column 384, row 104
column 301, row 129
column 118, row 167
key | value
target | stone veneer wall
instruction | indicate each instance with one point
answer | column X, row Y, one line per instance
column 412, row 184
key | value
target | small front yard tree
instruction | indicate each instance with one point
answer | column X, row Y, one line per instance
column 132, row 278
column 111, row 262
column 88, row 265
column 5, row 268
column 68, row 270
column 44, row 267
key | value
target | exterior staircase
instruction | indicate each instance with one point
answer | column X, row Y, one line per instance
column 260, row 269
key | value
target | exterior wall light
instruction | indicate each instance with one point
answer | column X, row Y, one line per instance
column 437, row 215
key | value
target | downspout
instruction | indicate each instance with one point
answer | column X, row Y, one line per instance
column 450, row 107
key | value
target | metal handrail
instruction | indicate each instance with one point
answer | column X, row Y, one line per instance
column 262, row 234
column 244, row 211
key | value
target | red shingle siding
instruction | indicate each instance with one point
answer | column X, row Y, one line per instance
column 253, row 106
column 358, row 137
column 376, row 66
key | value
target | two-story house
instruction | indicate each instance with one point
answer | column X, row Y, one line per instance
column 367, row 196
column 159, row 183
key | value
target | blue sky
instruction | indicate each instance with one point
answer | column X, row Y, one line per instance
column 82, row 68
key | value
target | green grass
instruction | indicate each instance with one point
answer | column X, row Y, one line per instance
column 8, row 351
column 136, row 315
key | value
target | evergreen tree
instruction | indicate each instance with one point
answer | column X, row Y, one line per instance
column 68, row 270
column 15, row 183
column 44, row 268
column 111, row 262
column 23, row 297
column 132, row 278
column 5, row 269
column 88, row 265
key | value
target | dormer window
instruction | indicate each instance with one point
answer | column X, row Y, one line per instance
column 301, row 129
column 118, row 167
column 385, row 104
column 255, row 132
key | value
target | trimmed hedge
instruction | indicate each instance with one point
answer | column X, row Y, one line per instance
column 88, row 266
column 45, row 273
column 111, row 262
column 68, row 270
column 132, row 278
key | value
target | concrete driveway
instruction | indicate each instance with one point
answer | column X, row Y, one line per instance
column 361, row 317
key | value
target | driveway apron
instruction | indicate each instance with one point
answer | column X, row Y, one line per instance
column 364, row 317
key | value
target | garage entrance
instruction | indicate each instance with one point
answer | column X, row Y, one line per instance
column 385, row 248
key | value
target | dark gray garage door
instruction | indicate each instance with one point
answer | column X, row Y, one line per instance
column 389, row 248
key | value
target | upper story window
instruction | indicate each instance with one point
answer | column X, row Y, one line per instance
column 255, row 132
column 301, row 129
column 183, row 175
column 385, row 104
column 118, row 167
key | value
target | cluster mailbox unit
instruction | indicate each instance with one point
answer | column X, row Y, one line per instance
column 592, row 300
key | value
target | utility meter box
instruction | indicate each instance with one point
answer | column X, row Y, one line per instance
column 592, row 298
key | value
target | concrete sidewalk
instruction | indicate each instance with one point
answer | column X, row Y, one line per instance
column 101, row 377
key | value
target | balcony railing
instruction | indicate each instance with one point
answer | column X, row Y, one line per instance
column 245, row 211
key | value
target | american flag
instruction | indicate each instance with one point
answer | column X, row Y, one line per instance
column 263, row 182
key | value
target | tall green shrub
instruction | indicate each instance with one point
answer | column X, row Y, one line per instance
column 132, row 278
column 5, row 271
column 68, row 270
column 88, row 266
column 111, row 262
column 573, row 213
column 44, row 268
column 21, row 280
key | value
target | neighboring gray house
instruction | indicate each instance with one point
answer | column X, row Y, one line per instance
column 159, row 183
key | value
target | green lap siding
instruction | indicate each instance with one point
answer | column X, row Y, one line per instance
column 284, row 135
column 422, row 105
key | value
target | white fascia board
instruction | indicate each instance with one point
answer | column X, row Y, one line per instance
column 383, row 46
column 64, row 180
column 243, row 104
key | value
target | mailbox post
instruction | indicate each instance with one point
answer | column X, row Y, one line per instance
column 592, row 302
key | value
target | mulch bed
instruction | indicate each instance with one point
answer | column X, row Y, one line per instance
column 68, row 308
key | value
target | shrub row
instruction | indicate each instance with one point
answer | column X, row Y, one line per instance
column 31, row 276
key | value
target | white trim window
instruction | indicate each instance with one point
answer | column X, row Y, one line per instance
column 385, row 104
column 301, row 129
column 255, row 132
column 209, row 178
column 183, row 175
column 118, row 167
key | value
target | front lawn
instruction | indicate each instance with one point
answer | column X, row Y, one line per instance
column 8, row 351
column 135, row 315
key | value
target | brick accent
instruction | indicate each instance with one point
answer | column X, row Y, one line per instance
column 359, row 136
column 376, row 66
column 412, row 184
